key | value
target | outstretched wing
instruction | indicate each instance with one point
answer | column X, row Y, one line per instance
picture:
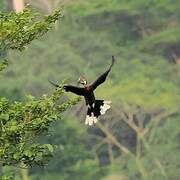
column 76, row 90
column 68, row 88
column 102, row 78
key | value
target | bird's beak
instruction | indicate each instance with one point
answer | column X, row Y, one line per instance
column 82, row 81
column 79, row 81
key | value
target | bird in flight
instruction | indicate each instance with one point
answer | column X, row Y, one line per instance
column 95, row 107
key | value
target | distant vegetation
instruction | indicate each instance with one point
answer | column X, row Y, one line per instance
column 139, row 136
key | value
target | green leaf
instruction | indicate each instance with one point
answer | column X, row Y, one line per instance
column 50, row 147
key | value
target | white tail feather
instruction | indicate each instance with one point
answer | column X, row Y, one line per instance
column 90, row 120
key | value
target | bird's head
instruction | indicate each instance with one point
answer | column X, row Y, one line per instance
column 82, row 80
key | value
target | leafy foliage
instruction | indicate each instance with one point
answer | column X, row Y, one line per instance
column 18, row 29
column 3, row 65
column 21, row 123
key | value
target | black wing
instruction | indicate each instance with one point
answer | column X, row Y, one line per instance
column 102, row 78
column 76, row 90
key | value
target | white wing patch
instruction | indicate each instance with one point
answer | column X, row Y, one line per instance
column 105, row 107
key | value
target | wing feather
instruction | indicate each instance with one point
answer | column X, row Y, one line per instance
column 54, row 84
column 76, row 90
column 68, row 88
column 101, row 79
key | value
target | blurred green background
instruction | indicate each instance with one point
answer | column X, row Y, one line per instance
column 139, row 138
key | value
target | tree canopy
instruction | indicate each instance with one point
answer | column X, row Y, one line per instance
column 21, row 123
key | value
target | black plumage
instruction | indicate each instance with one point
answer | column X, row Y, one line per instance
column 95, row 107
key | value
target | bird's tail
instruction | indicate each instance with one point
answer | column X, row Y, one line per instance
column 100, row 107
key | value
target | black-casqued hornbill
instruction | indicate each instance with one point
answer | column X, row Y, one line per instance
column 95, row 107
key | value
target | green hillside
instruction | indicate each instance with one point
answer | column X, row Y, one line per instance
column 144, row 37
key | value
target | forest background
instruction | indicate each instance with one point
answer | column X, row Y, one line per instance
column 139, row 138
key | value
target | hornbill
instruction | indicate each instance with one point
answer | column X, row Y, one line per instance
column 95, row 107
